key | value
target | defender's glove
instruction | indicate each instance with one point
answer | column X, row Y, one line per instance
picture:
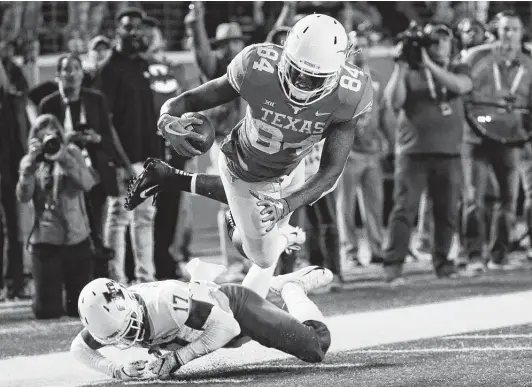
column 272, row 210
column 174, row 130
column 166, row 365
column 131, row 371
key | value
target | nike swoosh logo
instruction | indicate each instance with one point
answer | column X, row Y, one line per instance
column 148, row 192
column 318, row 114
column 168, row 129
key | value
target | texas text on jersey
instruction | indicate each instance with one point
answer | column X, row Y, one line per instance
column 276, row 134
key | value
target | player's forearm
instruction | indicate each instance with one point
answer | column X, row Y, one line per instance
column 456, row 83
column 92, row 358
column 314, row 188
column 221, row 327
column 334, row 155
column 176, row 106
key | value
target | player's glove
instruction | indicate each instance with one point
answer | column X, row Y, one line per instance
column 131, row 371
column 175, row 131
column 272, row 210
column 166, row 365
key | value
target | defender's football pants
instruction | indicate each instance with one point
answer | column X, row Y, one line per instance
column 272, row 327
column 262, row 250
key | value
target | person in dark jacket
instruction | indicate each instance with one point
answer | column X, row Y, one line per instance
column 124, row 82
column 86, row 121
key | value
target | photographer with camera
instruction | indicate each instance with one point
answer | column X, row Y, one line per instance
column 498, row 114
column 428, row 88
column 54, row 176
column 86, row 122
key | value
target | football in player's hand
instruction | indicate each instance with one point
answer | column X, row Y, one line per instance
column 206, row 129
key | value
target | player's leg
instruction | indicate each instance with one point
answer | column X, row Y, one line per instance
column 263, row 250
column 301, row 332
column 158, row 176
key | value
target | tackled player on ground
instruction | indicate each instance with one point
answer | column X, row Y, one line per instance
column 179, row 322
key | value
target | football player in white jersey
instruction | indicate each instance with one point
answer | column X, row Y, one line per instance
column 179, row 322
column 297, row 95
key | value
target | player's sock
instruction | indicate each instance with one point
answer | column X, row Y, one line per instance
column 210, row 186
column 298, row 304
column 258, row 279
column 179, row 181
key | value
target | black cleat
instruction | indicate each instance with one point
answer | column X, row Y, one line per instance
column 148, row 183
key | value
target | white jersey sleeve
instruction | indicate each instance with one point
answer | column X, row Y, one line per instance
column 236, row 71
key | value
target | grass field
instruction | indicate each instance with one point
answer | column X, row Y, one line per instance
column 461, row 332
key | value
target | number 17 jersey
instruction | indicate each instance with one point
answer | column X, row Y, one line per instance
column 275, row 134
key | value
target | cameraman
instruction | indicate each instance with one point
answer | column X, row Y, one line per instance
column 428, row 145
column 53, row 174
column 501, row 73
column 86, row 122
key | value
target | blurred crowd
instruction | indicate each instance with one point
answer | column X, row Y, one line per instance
column 69, row 146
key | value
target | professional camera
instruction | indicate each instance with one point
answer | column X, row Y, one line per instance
column 51, row 145
column 414, row 39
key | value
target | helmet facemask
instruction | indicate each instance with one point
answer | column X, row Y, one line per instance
column 316, row 85
column 133, row 332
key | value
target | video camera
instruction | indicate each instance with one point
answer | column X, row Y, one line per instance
column 414, row 38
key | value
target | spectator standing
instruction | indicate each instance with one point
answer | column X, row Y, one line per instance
column 212, row 58
column 428, row 148
column 469, row 33
column 54, row 176
column 363, row 175
column 13, row 89
column 20, row 25
column 100, row 49
column 501, row 72
column 86, row 122
column 170, row 208
column 123, row 81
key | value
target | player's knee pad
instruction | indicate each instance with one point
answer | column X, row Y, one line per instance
column 319, row 348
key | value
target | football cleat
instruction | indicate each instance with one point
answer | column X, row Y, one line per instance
column 310, row 278
column 295, row 236
column 149, row 182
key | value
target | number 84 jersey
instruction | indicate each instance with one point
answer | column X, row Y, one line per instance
column 275, row 134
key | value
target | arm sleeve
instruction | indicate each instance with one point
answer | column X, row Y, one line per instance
column 220, row 328
column 236, row 71
column 82, row 352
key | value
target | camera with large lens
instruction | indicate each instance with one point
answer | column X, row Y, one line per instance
column 51, row 145
column 414, row 39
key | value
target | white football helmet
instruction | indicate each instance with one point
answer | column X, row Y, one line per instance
column 111, row 313
column 314, row 52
